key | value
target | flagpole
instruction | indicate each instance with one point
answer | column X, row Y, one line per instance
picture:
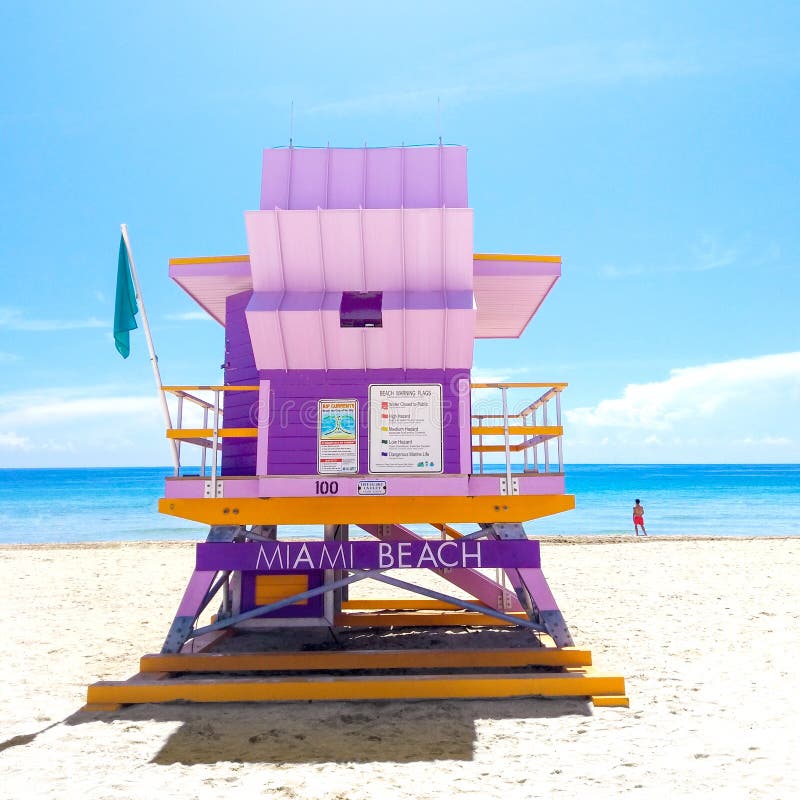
column 153, row 356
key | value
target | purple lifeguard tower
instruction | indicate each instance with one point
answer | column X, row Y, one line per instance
column 348, row 402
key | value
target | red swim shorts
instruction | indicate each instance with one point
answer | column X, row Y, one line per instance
column 638, row 520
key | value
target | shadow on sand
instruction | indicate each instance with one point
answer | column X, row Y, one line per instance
column 359, row 732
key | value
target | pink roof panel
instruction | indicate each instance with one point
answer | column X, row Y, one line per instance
column 383, row 177
column 509, row 290
column 210, row 281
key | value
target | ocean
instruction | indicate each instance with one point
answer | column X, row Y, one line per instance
column 93, row 505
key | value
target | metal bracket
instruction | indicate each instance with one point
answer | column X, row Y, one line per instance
column 557, row 628
column 504, row 601
column 226, row 533
column 209, row 489
column 514, row 486
column 178, row 634
column 508, row 530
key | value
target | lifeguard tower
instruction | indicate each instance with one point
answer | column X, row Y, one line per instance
column 348, row 406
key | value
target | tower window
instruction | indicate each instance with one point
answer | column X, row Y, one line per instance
column 361, row 310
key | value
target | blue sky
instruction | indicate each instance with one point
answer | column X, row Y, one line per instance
column 652, row 145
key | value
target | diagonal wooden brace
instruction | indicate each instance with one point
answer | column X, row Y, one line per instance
column 470, row 580
column 532, row 586
column 196, row 596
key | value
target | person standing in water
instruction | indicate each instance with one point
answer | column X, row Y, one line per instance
column 638, row 518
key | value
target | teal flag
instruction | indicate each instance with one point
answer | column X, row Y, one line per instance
column 125, row 309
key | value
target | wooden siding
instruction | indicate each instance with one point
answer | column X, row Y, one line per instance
column 241, row 408
column 293, row 405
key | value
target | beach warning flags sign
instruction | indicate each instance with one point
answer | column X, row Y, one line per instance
column 125, row 308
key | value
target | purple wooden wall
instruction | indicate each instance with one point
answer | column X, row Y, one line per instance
column 293, row 412
column 293, row 405
column 239, row 455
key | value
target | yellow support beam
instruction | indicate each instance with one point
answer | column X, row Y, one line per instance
column 447, row 530
column 366, row 659
column 614, row 701
column 421, row 619
column 223, row 433
column 534, row 385
column 518, row 430
column 475, row 256
column 174, row 262
column 225, row 388
column 499, row 448
column 365, row 510
column 514, row 257
column 569, row 683
column 399, row 605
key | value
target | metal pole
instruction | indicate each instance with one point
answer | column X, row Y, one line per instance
column 480, row 444
column 535, row 445
column 546, row 442
column 179, row 422
column 203, row 449
column 504, row 392
column 558, row 422
column 215, row 444
column 149, row 338
column 524, row 449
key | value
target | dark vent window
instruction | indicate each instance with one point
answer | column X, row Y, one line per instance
column 361, row 310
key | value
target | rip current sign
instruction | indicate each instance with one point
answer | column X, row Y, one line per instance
column 337, row 437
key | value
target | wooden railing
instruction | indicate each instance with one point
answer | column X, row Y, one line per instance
column 208, row 436
column 529, row 431
column 535, row 429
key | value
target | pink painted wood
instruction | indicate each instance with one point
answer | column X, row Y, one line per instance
column 471, row 581
column 396, row 486
column 386, row 177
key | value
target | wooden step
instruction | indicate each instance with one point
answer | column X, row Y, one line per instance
column 308, row 660
column 567, row 683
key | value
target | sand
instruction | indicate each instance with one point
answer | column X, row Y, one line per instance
column 706, row 632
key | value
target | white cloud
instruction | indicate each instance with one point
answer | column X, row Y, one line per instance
column 86, row 427
column 14, row 320
column 8, row 358
column 523, row 72
column 709, row 254
column 739, row 410
column 11, row 441
column 91, row 426
column 60, row 412
column 489, row 401
column 186, row 316
column 704, row 255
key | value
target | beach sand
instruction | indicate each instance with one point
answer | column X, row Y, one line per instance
column 706, row 633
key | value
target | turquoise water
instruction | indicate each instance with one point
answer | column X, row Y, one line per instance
column 89, row 505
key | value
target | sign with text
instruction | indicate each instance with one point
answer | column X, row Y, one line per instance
column 337, row 437
column 405, row 428
column 420, row 554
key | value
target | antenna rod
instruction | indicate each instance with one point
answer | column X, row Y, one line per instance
column 291, row 122
column 439, row 110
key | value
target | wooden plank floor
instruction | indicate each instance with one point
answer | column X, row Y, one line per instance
column 566, row 683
